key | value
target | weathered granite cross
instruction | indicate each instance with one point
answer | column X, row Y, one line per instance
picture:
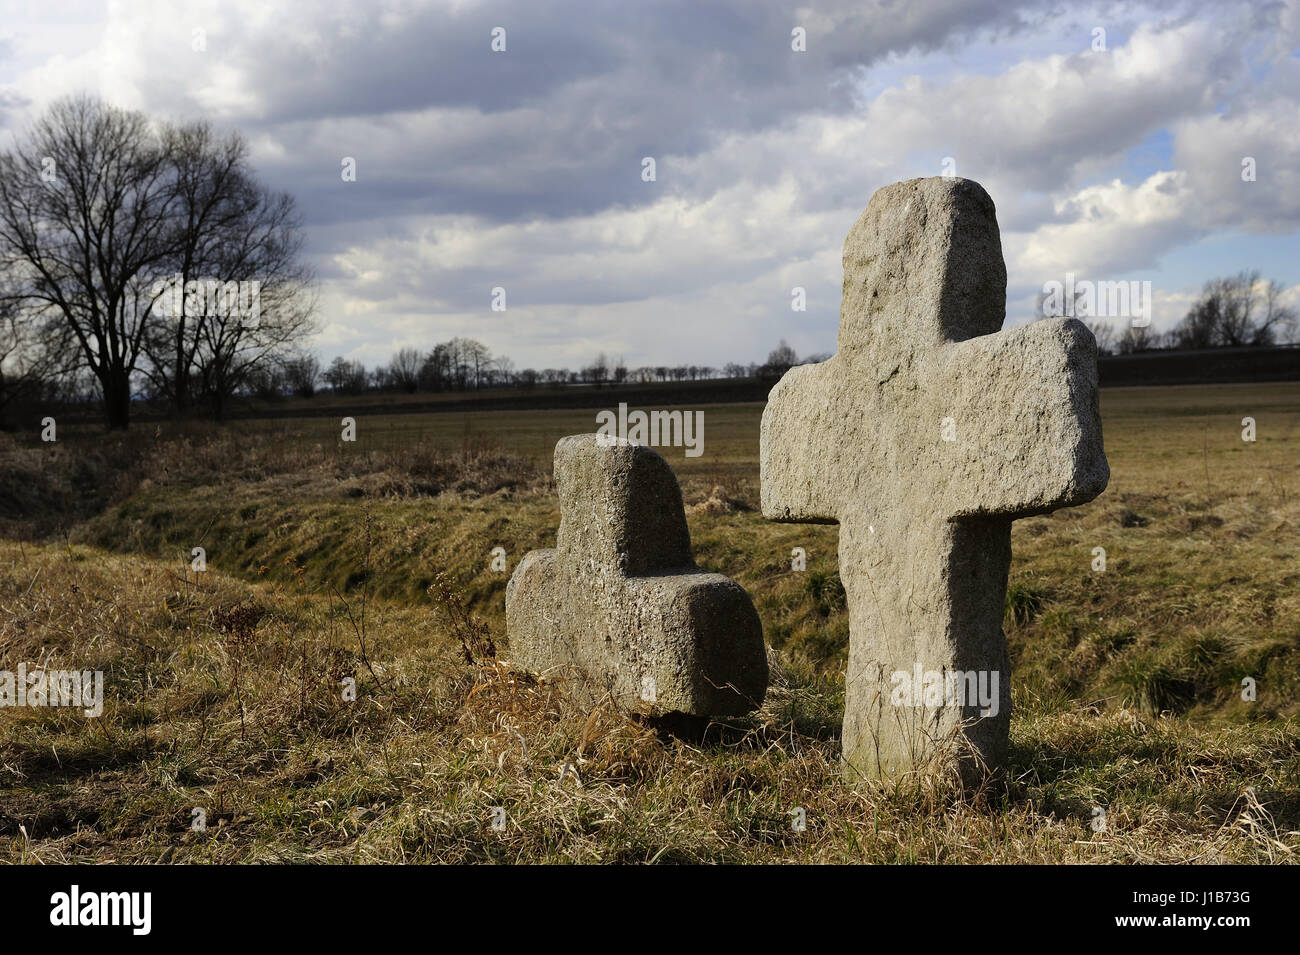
column 924, row 436
column 620, row 603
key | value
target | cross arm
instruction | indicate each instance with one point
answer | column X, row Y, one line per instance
column 801, row 424
column 1026, row 426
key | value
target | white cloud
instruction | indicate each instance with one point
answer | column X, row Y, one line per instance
column 1108, row 228
column 1212, row 148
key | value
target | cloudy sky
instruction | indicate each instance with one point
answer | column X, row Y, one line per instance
column 1112, row 155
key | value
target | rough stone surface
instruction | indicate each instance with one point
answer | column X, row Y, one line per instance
column 619, row 605
column 925, row 523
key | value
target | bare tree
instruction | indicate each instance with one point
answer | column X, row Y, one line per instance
column 302, row 373
column 780, row 360
column 1200, row 326
column 1237, row 310
column 436, row 370
column 257, row 263
column 1136, row 340
column 210, row 179
column 503, row 370
column 469, row 361
column 345, row 377
column 1278, row 322
column 130, row 236
column 86, row 208
column 405, row 370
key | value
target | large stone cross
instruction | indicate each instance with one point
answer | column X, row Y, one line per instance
column 924, row 436
column 619, row 604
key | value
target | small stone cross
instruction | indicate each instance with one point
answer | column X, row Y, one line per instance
column 619, row 601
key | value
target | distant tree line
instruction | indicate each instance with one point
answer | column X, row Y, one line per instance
column 1239, row 310
column 464, row 364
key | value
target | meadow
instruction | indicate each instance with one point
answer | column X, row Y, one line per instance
column 370, row 561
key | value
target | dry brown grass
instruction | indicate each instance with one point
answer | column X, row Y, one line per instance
column 225, row 696
column 225, row 689
column 44, row 488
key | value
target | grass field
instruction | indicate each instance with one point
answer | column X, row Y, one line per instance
column 223, row 688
